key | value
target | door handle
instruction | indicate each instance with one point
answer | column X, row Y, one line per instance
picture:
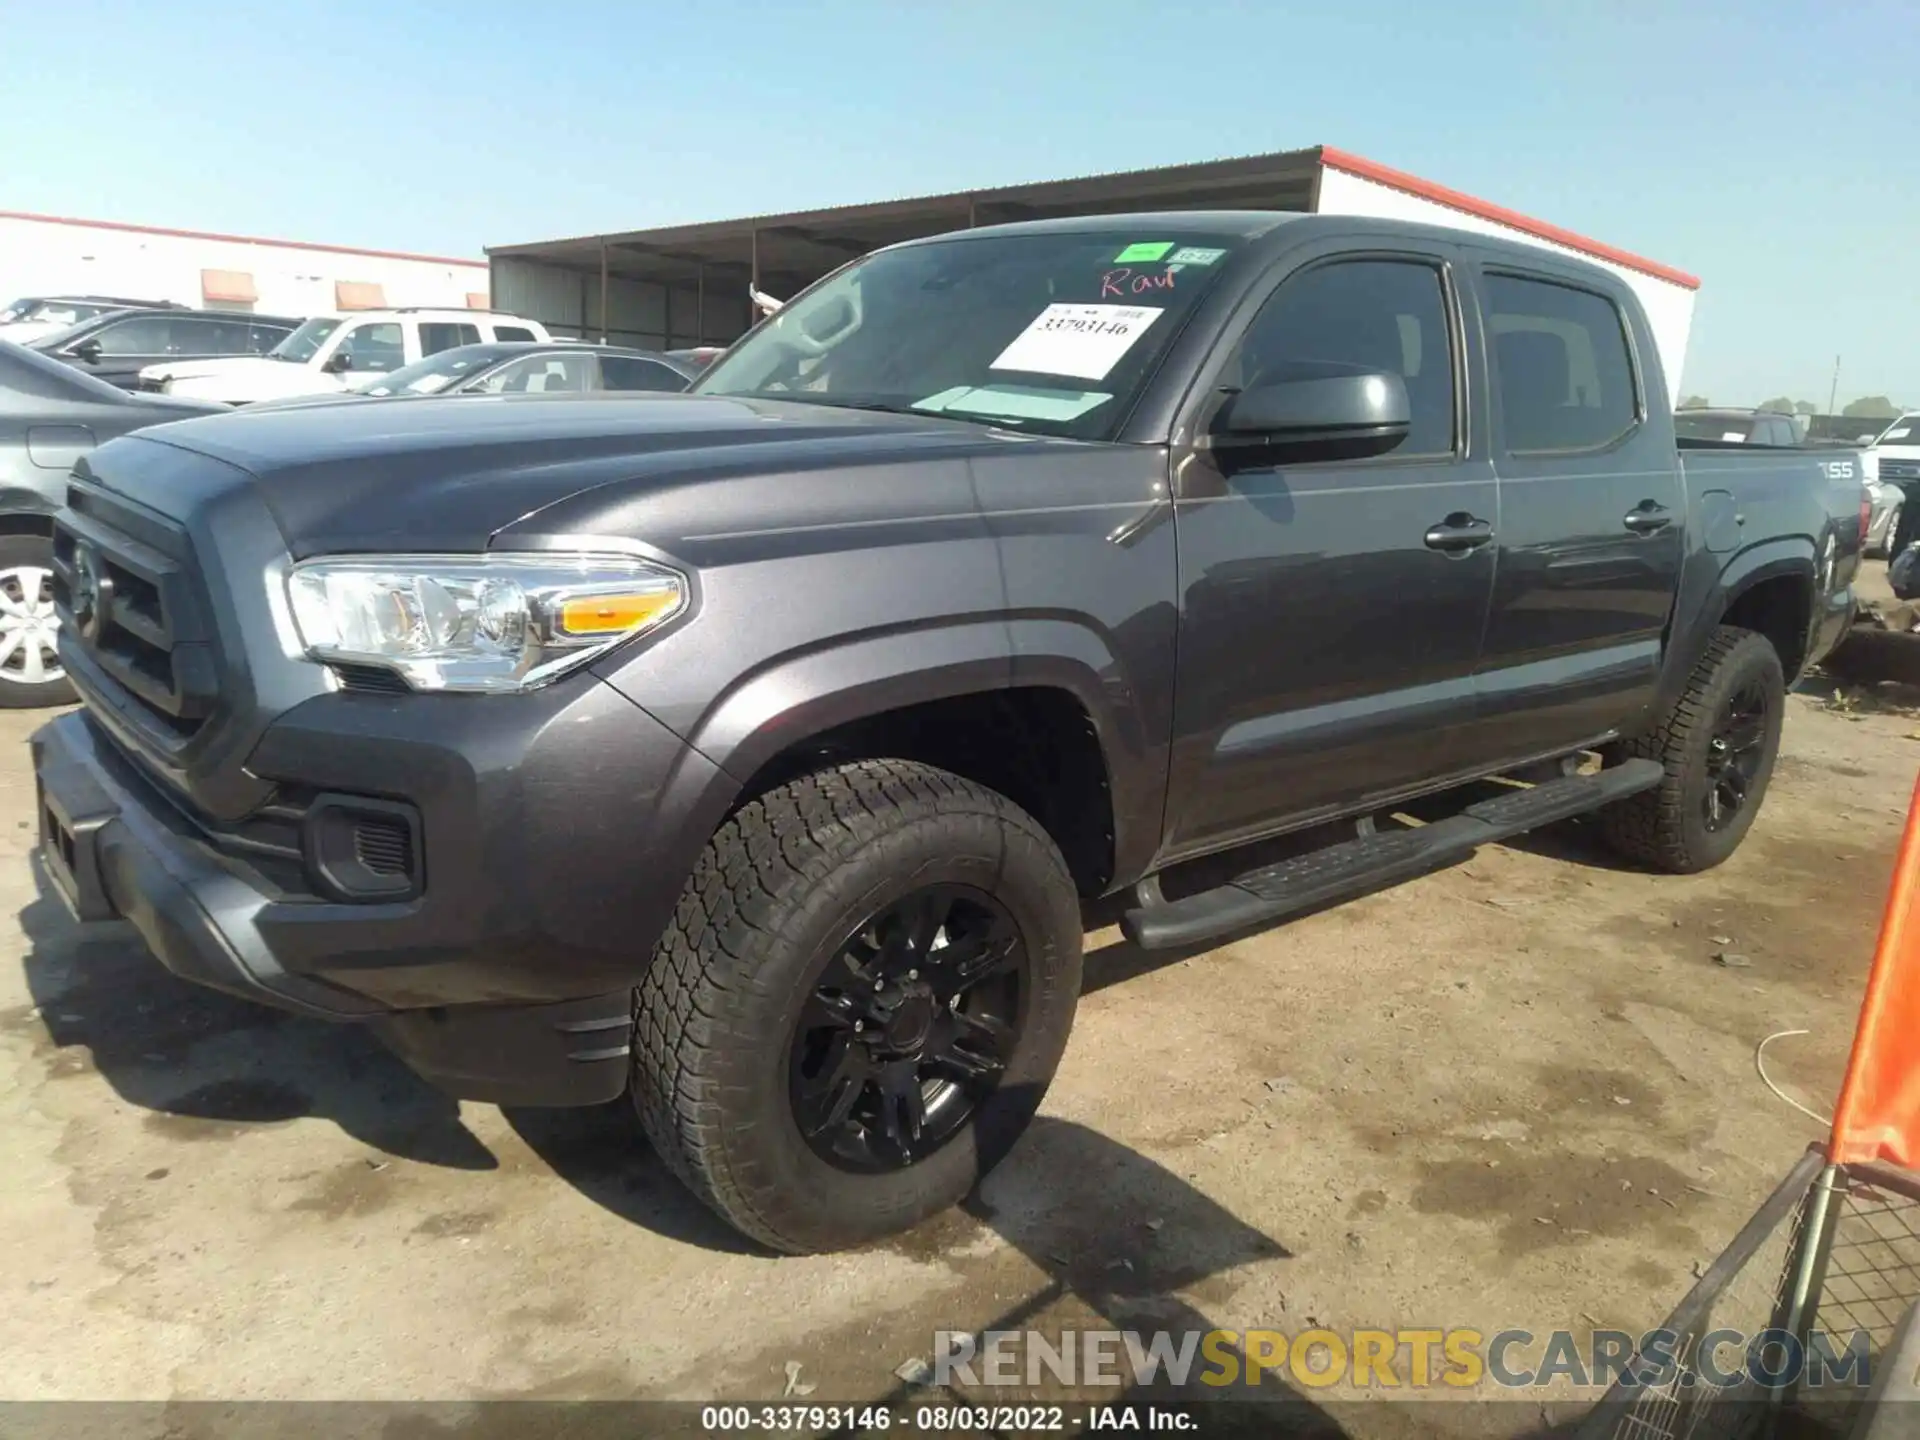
column 1647, row 518
column 1458, row 534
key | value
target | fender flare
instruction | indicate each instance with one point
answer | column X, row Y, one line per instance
column 808, row 693
column 1791, row 556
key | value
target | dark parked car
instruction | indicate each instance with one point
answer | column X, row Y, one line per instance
column 63, row 310
column 1721, row 425
column 749, row 752
column 116, row 346
column 50, row 416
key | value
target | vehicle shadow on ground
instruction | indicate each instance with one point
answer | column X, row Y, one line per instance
column 1124, row 1242
column 210, row 1066
column 602, row 1153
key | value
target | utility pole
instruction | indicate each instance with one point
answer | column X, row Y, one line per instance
column 1833, row 393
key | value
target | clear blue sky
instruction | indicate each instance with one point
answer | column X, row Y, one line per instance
column 1772, row 148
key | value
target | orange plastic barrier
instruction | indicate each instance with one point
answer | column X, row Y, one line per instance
column 1878, row 1117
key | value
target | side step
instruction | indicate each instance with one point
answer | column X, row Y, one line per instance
column 1374, row 861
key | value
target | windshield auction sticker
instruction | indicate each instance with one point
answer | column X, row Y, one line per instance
column 1084, row 341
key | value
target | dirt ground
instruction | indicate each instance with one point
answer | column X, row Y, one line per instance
column 1518, row 1093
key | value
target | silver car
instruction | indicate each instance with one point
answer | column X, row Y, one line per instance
column 1887, row 503
column 50, row 415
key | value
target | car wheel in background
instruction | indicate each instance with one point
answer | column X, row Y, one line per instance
column 30, row 672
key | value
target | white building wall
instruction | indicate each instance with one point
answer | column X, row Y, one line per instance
column 40, row 256
column 1669, row 305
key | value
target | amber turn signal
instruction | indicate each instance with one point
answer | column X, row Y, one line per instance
column 613, row 614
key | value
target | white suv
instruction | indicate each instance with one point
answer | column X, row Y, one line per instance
column 329, row 352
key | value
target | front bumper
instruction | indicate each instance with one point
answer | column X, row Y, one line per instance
column 498, row 982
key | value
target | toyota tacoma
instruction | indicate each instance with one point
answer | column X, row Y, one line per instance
column 749, row 753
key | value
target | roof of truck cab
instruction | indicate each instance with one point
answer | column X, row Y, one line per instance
column 1263, row 224
column 1244, row 224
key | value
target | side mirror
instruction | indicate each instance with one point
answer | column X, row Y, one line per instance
column 339, row 362
column 87, row 350
column 1313, row 414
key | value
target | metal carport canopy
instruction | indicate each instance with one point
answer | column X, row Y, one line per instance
column 782, row 253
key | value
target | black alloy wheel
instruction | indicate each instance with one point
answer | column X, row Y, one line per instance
column 1736, row 753
column 909, row 1029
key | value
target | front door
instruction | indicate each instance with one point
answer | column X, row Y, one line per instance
column 1331, row 612
column 119, row 351
column 1592, row 519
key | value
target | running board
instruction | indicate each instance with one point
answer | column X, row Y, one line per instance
column 1374, row 861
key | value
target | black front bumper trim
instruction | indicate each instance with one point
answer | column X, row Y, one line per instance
column 114, row 854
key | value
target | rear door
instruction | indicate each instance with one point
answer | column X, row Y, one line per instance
column 1331, row 611
column 1591, row 514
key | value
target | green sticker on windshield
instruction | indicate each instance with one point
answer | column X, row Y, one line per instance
column 1145, row 250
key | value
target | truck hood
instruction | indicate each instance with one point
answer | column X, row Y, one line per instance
column 448, row 475
column 200, row 369
column 241, row 379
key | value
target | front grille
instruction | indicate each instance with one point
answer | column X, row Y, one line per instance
column 129, row 603
column 1899, row 469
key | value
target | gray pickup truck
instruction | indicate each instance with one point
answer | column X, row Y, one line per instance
column 749, row 752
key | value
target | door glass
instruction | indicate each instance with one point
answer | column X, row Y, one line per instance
column 438, row 335
column 625, row 372
column 146, row 335
column 262, row 338
column 1561, row 363
column 537, row 374
column 1377, row 315
column 375, row 347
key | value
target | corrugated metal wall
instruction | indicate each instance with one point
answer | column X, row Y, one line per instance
column 639, row 312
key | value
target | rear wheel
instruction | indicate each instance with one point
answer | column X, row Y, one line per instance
column 1718, row 745
column 864, row 993
column 31, row 676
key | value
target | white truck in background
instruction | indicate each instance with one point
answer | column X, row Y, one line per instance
column 329, row 352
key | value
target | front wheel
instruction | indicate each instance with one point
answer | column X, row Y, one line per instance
column 863, row 995
column 1718, row 745
column 31, row 676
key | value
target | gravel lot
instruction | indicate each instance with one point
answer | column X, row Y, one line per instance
column 1516, row 1093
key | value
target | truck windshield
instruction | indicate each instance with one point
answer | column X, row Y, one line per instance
column 1050, row 332
column 304, row 343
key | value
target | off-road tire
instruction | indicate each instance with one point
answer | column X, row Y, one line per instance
column 1665, row 827
column 775, row 894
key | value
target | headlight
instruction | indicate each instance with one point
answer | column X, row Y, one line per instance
column 485, row 622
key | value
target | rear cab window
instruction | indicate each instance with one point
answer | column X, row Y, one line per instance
column 1562, row 368
column 513, row 332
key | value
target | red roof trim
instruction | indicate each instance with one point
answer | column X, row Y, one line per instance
column 1367, row 169
column 237, row 239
